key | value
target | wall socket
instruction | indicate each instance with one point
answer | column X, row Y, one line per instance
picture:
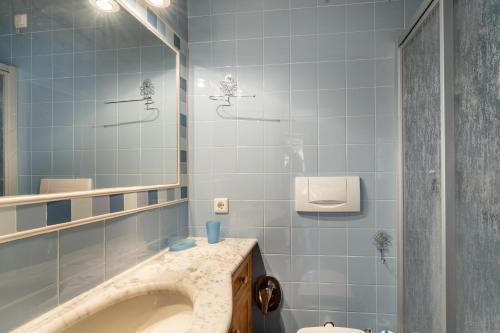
column 221, row 205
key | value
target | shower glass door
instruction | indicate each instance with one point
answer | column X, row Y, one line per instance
column 421, row 176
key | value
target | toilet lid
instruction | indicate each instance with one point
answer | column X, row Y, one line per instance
column 329, row 329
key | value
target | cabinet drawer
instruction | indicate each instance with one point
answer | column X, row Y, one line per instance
column 241, row 278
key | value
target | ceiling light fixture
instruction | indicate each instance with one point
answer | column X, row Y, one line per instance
column 159, row 3
column 108, row 6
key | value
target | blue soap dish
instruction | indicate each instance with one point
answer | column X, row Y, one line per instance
column 182, row 245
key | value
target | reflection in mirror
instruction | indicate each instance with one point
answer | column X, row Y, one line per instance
column 96, row 103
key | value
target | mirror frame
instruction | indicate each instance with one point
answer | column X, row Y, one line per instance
column 14, row 200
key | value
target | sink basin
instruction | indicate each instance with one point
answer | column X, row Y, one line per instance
column 329, row 329
column 157, row 311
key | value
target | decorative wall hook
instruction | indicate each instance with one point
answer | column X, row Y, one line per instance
column 382, row 240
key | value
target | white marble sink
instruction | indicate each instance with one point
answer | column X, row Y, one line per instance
column 182, row 292
column 154, row 312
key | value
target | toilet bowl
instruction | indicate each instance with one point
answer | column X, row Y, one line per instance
column 329, row 328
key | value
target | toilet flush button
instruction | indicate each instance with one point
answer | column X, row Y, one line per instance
column 221, row 205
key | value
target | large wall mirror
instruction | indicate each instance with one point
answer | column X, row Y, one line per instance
column 88, row 100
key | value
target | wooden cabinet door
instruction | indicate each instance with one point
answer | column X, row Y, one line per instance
column 242, row 298
column 241, row 318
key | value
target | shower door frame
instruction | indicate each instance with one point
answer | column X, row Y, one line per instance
column 9, row 123
column 446, row 41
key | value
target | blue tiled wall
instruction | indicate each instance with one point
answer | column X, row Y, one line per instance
column 40, row 272
column 326, row 69
column 70, row 61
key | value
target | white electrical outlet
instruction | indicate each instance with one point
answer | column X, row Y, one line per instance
column 221, row 205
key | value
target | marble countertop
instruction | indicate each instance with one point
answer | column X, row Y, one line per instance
column 202, row 273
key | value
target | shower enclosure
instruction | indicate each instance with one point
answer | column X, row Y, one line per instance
column 449, row 172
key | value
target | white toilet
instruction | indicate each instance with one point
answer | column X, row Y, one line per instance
column 330, row 328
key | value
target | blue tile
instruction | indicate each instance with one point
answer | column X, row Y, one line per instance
column 183, row 84
column 121, row 235
column 152, row 19
column 183, row 120
column 81, row 252
column 31, row 216
column 183, row 156
column 184, row 192
column 29, row 279
column 116, row 203
column 177, row 42
column 152, row 197
column 58, row 212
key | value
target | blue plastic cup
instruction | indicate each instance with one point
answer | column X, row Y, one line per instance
column 213, row 231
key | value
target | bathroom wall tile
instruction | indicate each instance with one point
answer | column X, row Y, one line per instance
column 332, row 102
column 333, row 269
column 331, row 75
column 116, row 203
column 361, row 158
column 277, row 214
column 276, row 50
column 359, row 17
column 58, row 212
column 249, row 52
column 277, row 241
column 305, row 241
column 386, row 214
column 361, row 320
column 362, row 298
column 386, row 299
column 332, row 158
column 331, row 47
column 333, row 297
column 148, row 233
column 331, row 19
column 360, row 74
column 387, row 272
column 249, row 25
column 333, row 241
column 31, row 216
column 304, row 268
column 199, row 29
column 362, row 270
column 21, row 261
column 303, row 21
column 360, row 242
column 360, row 130
column 81, row 259
column 120, row 244
column 223, row 27
column 100, row 205
column 142, row 199
column 361, row 45
column 332, row 131
column 8, row 218
column 303, row 49
column 305, row 296
column 339, row 318
column 389, row 15
column 276, row 23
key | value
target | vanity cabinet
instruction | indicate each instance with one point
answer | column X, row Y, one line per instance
column 242, row 298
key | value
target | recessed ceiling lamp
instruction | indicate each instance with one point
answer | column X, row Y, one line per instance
column 159, row 3
column 108, row 6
